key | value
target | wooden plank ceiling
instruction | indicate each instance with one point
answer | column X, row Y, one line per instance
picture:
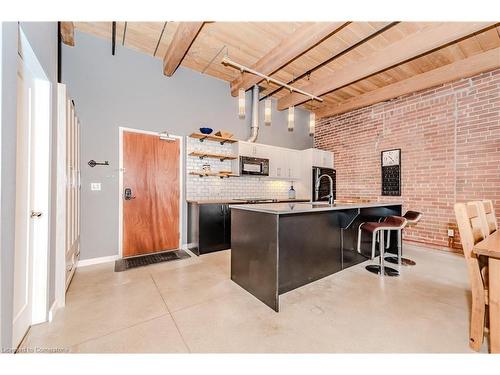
column 336, row 65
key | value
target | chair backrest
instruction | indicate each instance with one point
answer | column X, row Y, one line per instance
column 488, row 217
column 471, row 232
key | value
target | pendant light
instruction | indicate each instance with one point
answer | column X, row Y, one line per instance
column 312, row 123
column 267, row 112
column 312, row 120
column 291, row 118
column 241, row 103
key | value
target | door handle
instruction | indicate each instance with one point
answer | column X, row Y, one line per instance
column 36, row 214
column 128, row 194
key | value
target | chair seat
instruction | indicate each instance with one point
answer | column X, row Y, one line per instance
column 413, row 217
column 390, row 223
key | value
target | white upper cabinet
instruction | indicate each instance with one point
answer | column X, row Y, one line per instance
column 293, row 169
column 285, row 163
column 319, row 158
column 246, row 149
column 254, row 150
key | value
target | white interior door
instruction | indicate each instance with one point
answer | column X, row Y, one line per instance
column 23, row 261
column 32, row 193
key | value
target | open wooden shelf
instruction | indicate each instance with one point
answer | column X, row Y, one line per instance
column 221, row 157
column 212, row 174
column 210, row 137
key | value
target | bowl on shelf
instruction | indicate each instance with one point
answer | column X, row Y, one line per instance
column 206, row 130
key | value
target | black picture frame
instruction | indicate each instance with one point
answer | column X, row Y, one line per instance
column 387, row 184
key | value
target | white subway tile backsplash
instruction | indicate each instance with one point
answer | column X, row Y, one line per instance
column 232, row 187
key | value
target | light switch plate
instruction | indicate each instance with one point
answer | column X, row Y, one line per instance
column 451, row 232
column 95, row 186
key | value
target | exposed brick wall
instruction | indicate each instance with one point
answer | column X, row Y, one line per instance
column 450, row 149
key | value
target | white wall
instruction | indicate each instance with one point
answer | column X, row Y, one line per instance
column 130, row 90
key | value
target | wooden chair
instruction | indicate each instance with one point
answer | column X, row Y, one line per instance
column 488, row 217
column 472, row 231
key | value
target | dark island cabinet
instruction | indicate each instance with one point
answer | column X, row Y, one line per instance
column 209, row 227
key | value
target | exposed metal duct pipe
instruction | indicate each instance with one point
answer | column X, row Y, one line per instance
column 254, row 129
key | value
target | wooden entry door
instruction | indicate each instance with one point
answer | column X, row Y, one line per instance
column 150, row 194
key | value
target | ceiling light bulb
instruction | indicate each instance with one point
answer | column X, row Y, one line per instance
column 291, row 118
column 241, row 103
column 267, row 112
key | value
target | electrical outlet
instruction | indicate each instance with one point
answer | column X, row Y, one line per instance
column 95, row 186
column 451, row 232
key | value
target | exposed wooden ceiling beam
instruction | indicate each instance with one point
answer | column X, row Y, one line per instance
column 396, row 53
column 68, row 33
column 183, row 38
column 468, row 67
column 301, row 41
column 341, row 53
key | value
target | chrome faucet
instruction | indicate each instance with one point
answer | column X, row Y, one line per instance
column 329, row 196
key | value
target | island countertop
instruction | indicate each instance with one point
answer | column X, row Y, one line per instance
column 297, row 208
column 240, row 202
column 279, row 247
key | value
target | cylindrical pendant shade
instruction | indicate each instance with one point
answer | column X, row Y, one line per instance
column 241, row 103
column 267, row 112
column 312, row 123
column 291, row 118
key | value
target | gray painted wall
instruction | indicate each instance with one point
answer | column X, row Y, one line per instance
column 42, row 37
column 129, row 90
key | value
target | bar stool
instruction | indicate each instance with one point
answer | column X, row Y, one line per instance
column 375, row 238
column 390, row 223
column 412, row 217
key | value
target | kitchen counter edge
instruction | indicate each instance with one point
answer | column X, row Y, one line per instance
column 282, row 209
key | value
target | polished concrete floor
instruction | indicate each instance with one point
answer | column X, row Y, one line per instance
column 192, row 306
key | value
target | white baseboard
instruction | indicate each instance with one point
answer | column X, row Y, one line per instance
column 93, row 261
column 53, row 309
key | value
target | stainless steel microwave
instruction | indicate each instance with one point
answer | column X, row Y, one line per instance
column 254, row 166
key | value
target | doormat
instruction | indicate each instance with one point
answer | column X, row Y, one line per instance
column 144, row 260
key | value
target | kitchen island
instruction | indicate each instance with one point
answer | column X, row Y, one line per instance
column 279, row 247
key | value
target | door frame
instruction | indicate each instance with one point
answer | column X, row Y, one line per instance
column 42, row 139
column 123, row 129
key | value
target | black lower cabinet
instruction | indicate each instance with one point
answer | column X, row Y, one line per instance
column 209, row 227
